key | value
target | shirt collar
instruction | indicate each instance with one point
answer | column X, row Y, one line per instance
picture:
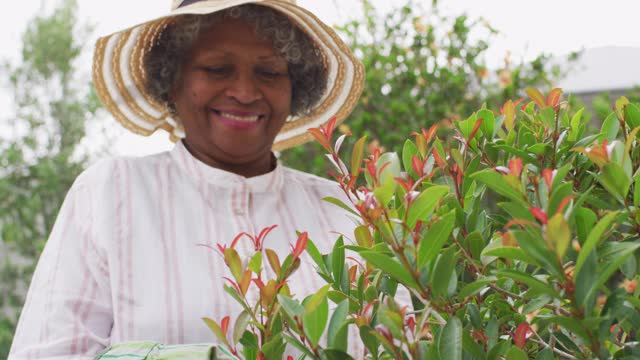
column 269, row 182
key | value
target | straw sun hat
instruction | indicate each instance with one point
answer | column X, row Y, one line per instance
column 119, row 75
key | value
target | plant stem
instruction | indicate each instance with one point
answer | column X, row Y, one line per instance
column 558, row 310
column 554, row 349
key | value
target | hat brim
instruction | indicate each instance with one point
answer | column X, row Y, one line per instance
column 119, row 75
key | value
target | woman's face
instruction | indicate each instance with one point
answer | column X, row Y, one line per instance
column 233, row 96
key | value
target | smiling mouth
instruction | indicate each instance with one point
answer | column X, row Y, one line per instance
column 241, row 121
column 245, row 118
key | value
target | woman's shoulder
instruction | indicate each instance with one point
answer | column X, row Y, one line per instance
column 107, row 170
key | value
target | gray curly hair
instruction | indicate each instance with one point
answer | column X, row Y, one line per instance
column 307, row 69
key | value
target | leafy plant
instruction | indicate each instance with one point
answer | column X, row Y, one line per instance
column 423, row 67
column 516, row 238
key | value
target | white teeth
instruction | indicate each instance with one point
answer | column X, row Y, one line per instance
column 252, row 118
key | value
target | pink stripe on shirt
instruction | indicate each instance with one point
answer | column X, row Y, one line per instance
column 174, row 243
column 162, row 192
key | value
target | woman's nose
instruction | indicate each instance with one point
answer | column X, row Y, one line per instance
column 244, row 88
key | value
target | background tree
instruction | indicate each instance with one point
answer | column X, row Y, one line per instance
column 40, row 153
column 423, row 67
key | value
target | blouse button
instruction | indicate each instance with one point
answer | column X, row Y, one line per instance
column 238, row 212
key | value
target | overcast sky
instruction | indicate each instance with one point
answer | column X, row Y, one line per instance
column 528, row 27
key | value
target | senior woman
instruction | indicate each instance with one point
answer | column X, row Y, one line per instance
column 231, row 81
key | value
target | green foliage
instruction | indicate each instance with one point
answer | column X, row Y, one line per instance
column 551, row 272
column 422, row 68
column 40, row 156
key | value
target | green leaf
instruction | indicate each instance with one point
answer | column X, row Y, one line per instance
column 409, row 150
column 369, row 341
column 363, row 236
column 315, row 255
column 217, row 330
column 249, row 343
column 560, row 176
column 425, row 203
column 316, row 299
column 389, row 266
column 392, row 169
column 340, row 204
column 558, row 234
column 334, row 354
column 623, row 250
column 488, row 123
column 450, row 340
column 274, row 349
column 534, row 247
column 337, row 262
column 517, row 211
column 615, row 180
column 356, row 155
column 509, row 252
column 576, row 125
column 474, row 242
column 471, row 346
column 537, row 149
column 636, row 191
column 435, row 238
column 236, row 296
column 496, row 182
column 232, row 259
column 585, row 279
column 300, row 346
column 515, row 353
column 338, row 325
column 291, row 306
column 391, row 319
column 517, row 152
column 314, row 322
column 559, row 193
column 476, row 286
column 441, row 275
column 274, row 261
column 255, row 264
column 632, row 115
column 610, row 128
column 466, row 126
column 585, row 219
column 536, row 285
column 594, row 238
column 574, row 325
column 242, row 322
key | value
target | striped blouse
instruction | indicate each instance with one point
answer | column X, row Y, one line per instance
column 123, row 263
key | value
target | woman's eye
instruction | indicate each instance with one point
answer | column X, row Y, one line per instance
column 268, row 73
column 217, row 70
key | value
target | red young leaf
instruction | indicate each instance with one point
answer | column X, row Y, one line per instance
column 536, row 96
column 476, row 127
column 225, row 324
column 548, row 175
column 301, row 245
column 539, row 214
column 441, row 163
column 515, row 166
column 263, row 234
column 331, row 125
column 321, row 138
column 417, row 165
column 554, row 97
column 523, row 333
column 564, row 203
column 431, row 133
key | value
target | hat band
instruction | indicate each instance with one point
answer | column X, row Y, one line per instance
column 187, row 2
